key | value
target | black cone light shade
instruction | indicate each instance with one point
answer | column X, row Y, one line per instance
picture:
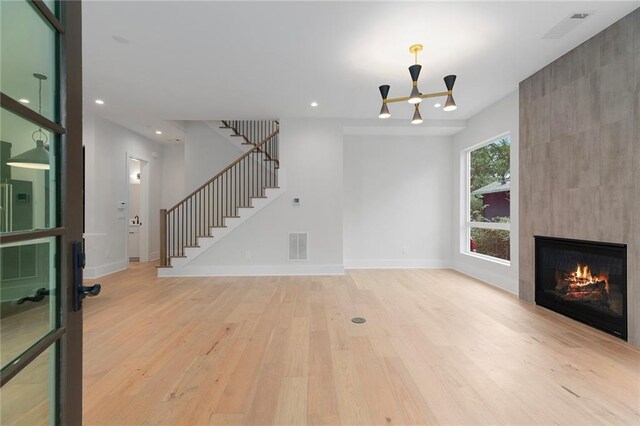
column 414, row 71
column 417, row 118
column 450, row 104
column 449, row 81
column 36, row 158
column 414, row 96
column 384, row 92
column 384, row 111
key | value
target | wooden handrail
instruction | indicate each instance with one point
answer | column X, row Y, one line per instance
column 226, row 169
column 208, row 206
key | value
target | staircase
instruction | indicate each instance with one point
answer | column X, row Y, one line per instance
column 225, row 201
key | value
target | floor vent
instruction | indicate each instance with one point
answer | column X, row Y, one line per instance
column 298, row 246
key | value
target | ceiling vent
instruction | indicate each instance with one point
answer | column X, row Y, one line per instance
column 580, row 16
column 567, row 24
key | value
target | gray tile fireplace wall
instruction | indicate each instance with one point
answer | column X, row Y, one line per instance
column 580, row 153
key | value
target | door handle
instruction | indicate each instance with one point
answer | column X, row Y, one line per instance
column 80, row 291
column 92, row 290
column 38, row 297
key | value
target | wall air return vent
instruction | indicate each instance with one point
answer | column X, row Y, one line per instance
column 567, row 24
column 298, row 246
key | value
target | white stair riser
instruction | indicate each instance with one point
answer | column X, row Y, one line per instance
column 181, row 264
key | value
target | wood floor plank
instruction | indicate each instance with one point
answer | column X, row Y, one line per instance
column 438, row 348
column 322, row 403
column 292, row 401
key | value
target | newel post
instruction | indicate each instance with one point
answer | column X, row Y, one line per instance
column 163, row 238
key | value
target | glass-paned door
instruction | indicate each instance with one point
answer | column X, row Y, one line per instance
column 40, row 212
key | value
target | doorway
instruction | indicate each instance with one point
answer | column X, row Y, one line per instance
column 138, row 210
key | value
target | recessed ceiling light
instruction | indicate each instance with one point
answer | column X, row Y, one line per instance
column 314, row 104
column 24, row 101
column 158, row 132
column 437, row 105
column 99, row 101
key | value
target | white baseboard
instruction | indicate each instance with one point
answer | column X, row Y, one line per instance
column 250, row 270
column 494, row 279
column 93, row 272
column 395, row 263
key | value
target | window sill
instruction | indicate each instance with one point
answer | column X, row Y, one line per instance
column 487, row 258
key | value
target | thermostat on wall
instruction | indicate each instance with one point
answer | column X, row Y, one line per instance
column 296, row 201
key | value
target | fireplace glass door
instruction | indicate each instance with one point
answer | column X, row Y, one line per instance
column 584, row 280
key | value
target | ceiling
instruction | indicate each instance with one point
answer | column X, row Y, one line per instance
column 157, row 63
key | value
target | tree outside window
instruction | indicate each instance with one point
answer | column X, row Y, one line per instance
column 489, row 202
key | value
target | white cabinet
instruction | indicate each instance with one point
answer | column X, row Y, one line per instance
column 134, row 242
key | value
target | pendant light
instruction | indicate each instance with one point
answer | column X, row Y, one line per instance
column 36, row 158
column 414, row 72
column 417, row 118
column 384, row 111
column 415, row 97
column 450, row 104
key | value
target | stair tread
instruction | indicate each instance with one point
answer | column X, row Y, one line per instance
column 163, row 266
column 219, row 226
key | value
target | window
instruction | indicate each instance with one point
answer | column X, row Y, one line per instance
column 488, row 199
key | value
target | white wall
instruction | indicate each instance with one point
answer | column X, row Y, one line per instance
column 173, row 174
column 135, row 192
column 311, row 153
column 206, row 153
column 108, row 147
column 499, row 118
column 134, row 200
column 397, row 201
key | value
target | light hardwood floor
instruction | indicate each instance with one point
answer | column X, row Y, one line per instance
column 437, row 347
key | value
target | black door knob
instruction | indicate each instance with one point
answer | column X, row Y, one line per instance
column 92, row 290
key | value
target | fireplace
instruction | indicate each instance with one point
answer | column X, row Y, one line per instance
column 584, row 280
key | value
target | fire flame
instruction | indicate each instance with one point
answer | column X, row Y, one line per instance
column 582, row 276
column 580, row 284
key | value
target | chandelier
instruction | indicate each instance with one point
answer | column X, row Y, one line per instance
column 415, row 97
